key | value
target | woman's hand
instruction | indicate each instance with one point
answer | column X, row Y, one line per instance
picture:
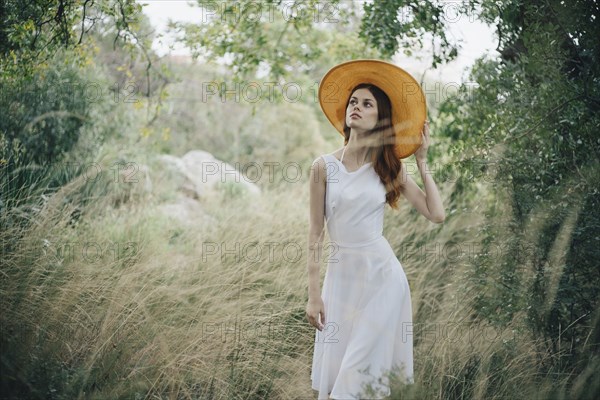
column 313, row 309
column 421, row 153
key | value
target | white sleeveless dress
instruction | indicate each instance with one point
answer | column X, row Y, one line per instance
column 368, row 312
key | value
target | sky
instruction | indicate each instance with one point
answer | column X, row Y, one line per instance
column 477, row 39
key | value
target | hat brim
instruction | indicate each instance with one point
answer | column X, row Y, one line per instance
column 409, row 109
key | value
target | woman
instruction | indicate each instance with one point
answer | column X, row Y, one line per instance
column 363, row 315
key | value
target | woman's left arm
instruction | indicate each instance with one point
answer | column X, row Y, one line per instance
column 429, row 203
column 432, row 196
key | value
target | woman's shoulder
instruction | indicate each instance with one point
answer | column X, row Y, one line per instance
column 319, row 162
column 336, row 153
column 323, row 157
column 318, row 169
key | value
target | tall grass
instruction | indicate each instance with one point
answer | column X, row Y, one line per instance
column 126, row 303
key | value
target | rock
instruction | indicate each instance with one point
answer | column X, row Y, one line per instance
column 197, row 175
column 131, row 182
column 206, row 172
column 185, row 210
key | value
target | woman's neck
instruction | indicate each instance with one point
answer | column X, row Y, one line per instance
column 356, row 150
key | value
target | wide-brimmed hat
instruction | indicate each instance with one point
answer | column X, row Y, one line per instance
column 409, row 109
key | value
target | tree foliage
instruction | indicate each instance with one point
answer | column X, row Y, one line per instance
column 52, row 89
column 285, row 38
column 532, row 122
column 390, row 25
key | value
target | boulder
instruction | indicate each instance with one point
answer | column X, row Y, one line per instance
column 206, row 172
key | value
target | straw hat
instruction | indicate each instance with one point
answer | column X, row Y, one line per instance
column 406, row 96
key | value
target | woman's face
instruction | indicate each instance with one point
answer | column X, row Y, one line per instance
column 364, row 104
